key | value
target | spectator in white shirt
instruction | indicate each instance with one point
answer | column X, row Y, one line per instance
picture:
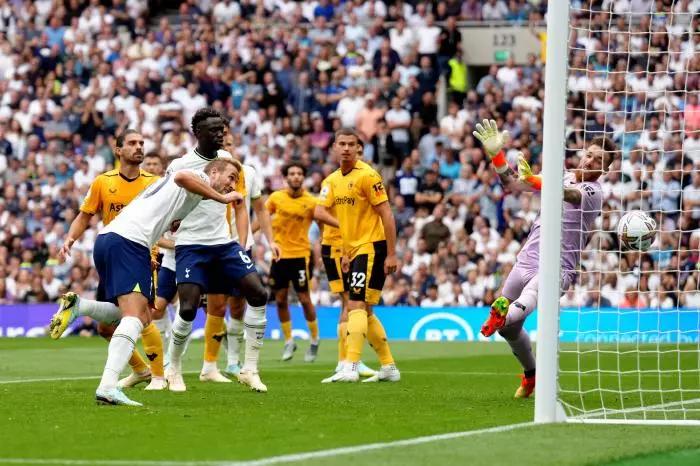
column 494, row 10
column 402, row 38
column 432, row 299
column 349, row 107
column 428, row 37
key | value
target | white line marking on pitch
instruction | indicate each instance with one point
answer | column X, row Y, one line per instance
column 291, row 458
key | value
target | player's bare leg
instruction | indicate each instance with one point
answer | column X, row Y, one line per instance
column 255, row 320
column 214, row 331
column 310, row 315
column 234, row 335
column 282, row 301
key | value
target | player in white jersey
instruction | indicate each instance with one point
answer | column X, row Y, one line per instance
column 123, row 259
column 583, row 203
column 207, row 259
column 215, row 329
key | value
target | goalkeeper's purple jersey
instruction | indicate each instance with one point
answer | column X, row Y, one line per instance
column 577, row 222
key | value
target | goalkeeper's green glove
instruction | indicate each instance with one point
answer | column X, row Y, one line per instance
column 493, row 141
column 525, row 173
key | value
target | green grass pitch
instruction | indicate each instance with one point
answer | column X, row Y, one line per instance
column 445, row 387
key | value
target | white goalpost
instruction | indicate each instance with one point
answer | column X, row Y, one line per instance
column 626, row 347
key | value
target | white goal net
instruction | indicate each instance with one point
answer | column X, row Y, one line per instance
column 629, row 346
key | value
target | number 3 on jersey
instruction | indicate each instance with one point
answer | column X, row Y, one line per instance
column 357, row 280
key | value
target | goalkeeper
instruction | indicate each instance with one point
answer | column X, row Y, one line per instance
column 583, row 199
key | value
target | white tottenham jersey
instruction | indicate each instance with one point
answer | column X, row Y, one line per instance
column 253, row 191
column 154, row 210
column 207, row 224
column 168, row 254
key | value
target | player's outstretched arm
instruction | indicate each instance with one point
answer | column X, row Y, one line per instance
column 493, row 142
column 323, row 216
column 196, row 185
column 76, row 230
column 384, row 211
column 265, row 223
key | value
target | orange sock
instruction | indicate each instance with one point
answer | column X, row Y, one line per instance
column 376, row 335
column 138, row 365
column 342, row 341
column 153, row 346
column 313, row 329
column 286, row 330
column 357, row 333
column 213, row 334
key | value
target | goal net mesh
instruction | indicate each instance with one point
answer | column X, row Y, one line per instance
column 629, row 326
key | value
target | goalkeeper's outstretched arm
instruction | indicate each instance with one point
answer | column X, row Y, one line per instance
column 493, row 141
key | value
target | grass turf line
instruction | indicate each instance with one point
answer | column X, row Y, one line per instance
column 226, row 422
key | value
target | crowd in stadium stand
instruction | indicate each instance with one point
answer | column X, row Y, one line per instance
column 75, row 73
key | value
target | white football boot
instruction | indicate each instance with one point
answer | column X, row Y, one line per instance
column 134, row 379
column 157, row 383
column 252, row 380
column 347, row 374
column 388, row 373
column 175, row 380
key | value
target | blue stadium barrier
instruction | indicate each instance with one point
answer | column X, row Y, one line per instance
column 586, row 325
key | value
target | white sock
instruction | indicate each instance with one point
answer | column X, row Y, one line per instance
column 234, row 330
column 101, row 311
column 119, row 351
column 255, row 323
column 209, row 366
column 181, row 331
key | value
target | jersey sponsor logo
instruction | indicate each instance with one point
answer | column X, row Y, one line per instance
column 345, row 200
column 113, row 207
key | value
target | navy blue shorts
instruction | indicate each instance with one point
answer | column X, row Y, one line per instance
column 216, row 269
column 123, row 266
column 235, row 291
column 167, row 286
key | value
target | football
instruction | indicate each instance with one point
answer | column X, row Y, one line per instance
column 636, row 230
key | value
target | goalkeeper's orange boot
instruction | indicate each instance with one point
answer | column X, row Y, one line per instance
column 497, row 317
column 527, row 386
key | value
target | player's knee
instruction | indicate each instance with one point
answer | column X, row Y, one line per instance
column 187, row 311
column 257, row 296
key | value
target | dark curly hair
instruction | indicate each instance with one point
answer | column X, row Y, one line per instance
column 202, row 114
column 285, row 169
